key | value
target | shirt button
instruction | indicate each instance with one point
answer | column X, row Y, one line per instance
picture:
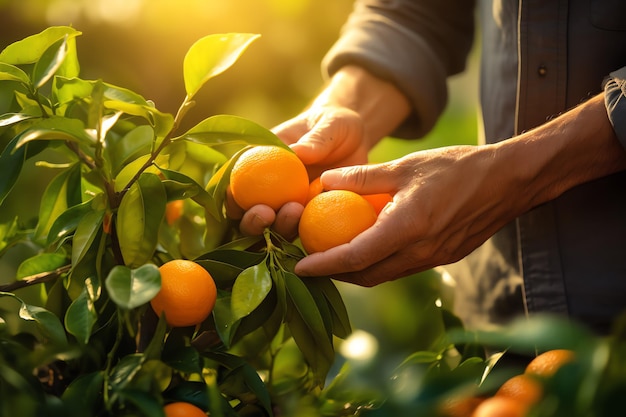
column 542, row 70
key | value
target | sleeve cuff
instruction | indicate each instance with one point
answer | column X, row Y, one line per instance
column 615, row 102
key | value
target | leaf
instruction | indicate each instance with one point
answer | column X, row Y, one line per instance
column 48, row 324
column 307, row 327
column 135, row 143
column 196, row 191
column 43, row 262
column 80, row 317
column 250, row 289
column 125, row 370
column 11, row 162
column 84, row 392
column 88, row 228
column 227, row 129
column 130, row 288
column 9, row 119
column 138, row 219
column 67, row 222
column 50, row 61
column 55, row 128
column 210, row 56
column 10, row 72
column 30, row 49
column 340, row 319
column 62, row 192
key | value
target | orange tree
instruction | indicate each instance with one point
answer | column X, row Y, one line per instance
column 115, row 163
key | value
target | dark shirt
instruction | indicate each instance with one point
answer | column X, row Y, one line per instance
column 539, row 58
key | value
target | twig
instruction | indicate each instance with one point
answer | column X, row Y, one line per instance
column 35, row 279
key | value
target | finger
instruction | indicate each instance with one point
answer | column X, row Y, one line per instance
column 287, row 219
column 256, row 220
column 313, row 147
column 362, row 179
column 290, row 131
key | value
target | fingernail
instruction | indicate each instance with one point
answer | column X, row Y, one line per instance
column 332, row 177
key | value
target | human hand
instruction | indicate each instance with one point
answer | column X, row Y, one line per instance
column 446, row 203
column 324, row 137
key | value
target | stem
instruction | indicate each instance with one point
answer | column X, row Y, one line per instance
column 35, row 279
column 110, row 357
column 182, row 110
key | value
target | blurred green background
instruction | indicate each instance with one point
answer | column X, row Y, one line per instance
column 140, row 45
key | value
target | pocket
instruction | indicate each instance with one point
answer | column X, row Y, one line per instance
column 608, row 14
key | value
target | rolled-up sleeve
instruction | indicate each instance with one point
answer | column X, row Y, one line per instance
column 615, row 101
column 414, row 44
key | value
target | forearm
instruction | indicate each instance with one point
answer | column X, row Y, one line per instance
column 576, row 147
column 381, row 106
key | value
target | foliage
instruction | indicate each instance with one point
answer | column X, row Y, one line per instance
column 116, row 162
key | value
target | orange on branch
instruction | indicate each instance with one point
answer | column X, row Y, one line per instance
column 269, row 175
column 187, row 294
column 500, row 407
column 523, row 388
column 183, row 409
column 333, row 218
column 547, row 363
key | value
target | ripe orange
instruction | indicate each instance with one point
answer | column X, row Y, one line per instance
column 547, row 363
column 269, row 175
column 173, row 211
column 333, row 218
column 315, row 187
column 183, row 409
column 500, row 407
column 459, row 406
column 187, row 294
column 523, row 388
column 378, row 201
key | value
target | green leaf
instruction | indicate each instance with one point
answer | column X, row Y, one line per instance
column 30, row 49
column 84, row 392
column 250, row 289
column 55, row 128
column 212, row 55
column 10, row 72
column 43, row 262
column 307, row 327
column 196, row 191
column 130, row 288
column 67, row 222
column 48, row 324
column 340, row 319
column 227, row 129
column 138, row 219
column 146, row 403
column 86, row 232
column 49, row 62
column 125, row 370
column 9, row 119
column 80, row 317
column 11, row 162
column 62, row 192
column 132, row 145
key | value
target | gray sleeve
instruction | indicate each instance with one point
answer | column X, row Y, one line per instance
column 415, row 44
column 615, row 102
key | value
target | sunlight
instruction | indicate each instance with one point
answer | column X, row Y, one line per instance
column 360, row 346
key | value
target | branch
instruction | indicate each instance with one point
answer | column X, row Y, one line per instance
column 35, row 279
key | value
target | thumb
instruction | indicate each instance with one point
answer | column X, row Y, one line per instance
column 362, row 179
column 313, row 148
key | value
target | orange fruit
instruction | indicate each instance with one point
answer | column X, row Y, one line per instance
column 173, row 211
column 187, row 294
column 500, row 407
column 183, row 409
column 459, row 406
column 333, row 218
column 315, row 187
column 378, row 201
column 547, row 363
column 269, row 175
column 523, row 388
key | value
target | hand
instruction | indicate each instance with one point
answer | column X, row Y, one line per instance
column 446, row 203
column 323, row 138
